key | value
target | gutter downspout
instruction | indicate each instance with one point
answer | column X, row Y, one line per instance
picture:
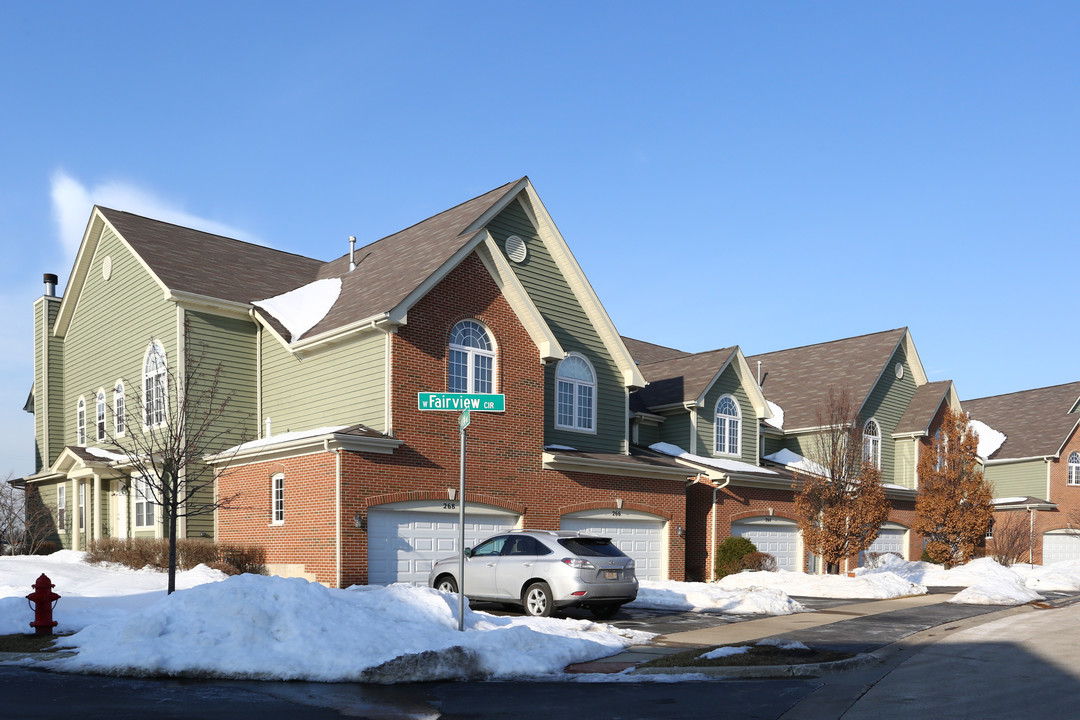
column 712, row 532
column 337, row 511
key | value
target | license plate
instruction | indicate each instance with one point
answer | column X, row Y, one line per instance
column 611, row 575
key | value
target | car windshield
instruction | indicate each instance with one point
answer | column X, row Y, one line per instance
column 594, row 547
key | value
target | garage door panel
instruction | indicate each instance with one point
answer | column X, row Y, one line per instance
column 1059, row 547
column 641, row 539
column 779, row 540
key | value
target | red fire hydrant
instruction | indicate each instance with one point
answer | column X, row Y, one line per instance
column 46, row 601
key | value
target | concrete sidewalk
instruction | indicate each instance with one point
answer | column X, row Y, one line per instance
column 859, row 627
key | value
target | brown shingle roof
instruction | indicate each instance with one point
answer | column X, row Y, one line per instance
column 193, row 261
column 798, row 379
column 647, row 352
column 681, row 379
column 923, row 407
column 1036, row 422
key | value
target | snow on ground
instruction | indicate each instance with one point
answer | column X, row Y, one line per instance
column 986, row 581
column 876, row 586
column 711, row 597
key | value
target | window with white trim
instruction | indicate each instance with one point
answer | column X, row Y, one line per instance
column 155, row 385
column 990, row 530
column 726, row 431
column 61, row 507
column 277, row 498
column 471, row 360
column 80, row 423
column 575, row 403
column 144, row 502
column 118, row 408
column 871, row 436
column 1074, row 468
column 100, row 415
column 82, row 506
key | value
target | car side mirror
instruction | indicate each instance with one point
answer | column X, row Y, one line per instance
column 468, row 552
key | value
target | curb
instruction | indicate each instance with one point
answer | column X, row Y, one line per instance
column 765, row 671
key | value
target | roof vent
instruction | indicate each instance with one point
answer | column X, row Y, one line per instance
column 352, row 252
column 50, row 284
column 515, row 249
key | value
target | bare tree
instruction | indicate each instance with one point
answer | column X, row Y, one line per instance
column 953, row 509
column 842, row 506
column 171, row 424
column 26, row 524
column 1011, row 539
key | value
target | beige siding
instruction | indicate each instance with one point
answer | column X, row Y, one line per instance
column 906, row 459
column 1022, row 479
column 113, row 325
column 553, row 297
column 341, row 386
column 48, row 384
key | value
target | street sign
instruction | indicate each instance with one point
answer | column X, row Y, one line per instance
column 477, row 402
column 463, row 420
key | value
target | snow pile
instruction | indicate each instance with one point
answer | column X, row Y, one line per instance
column 795, row 461
column 301, row 309
column 722, row 652
column 1059, row 577
column 710, row 597
column 290, row 629
column 989, row 438
column 777, row 419
column 726, row 465
column 987, row 582
column 783, row 644
column 877, row 585
column 88, row 593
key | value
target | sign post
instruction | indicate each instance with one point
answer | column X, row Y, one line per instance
column 466, row 403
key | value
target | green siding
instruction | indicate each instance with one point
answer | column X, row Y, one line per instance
column 772, row 445
column 887, row 403
column 113, row 324
column 1022, row 479
column 560, row 308
column 340, row 386
column 676, row 430
column 648, row 434
column 48, row 384
column 47, row 493
column 728, row 384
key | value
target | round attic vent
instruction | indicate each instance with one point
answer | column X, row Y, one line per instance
column 899, row 370
column 106, row 267
column 515, row 249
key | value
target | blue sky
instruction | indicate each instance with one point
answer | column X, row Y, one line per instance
column 762, row 174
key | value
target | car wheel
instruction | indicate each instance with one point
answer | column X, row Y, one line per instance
column 537, row 600
column 605, row 611
column 446, row 584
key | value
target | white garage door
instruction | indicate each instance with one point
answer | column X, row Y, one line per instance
column 779, row 538
column 639, row 535
column 889, row 539
column 1058, row 546
column 405, row 539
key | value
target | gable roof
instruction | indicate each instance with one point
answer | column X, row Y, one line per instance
column 645, row 353
column 799, row 379
column 682, row 379
column 1036, row 423
column 924, row 407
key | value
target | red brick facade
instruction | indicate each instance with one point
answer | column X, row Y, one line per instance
column 504, row 451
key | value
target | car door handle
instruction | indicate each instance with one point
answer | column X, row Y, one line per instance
column 491, row 564
column 526, row 564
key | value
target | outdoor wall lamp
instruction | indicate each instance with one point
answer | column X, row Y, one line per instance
column 359, row 521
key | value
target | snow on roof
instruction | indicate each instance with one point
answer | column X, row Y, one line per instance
column 301, row 309
column 1007, row 500
column 560, row 447
column 285, row 437
column 989, row 438
column 795, row 461
column 777, row 420
column 106, row 454
column 726, row 465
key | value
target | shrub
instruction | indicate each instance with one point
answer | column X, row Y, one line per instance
column 759, row 561
column 730, row 554
column 245, row 558
column 47, row 548
column 137, row 553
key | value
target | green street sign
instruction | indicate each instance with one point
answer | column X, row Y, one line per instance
column 476, row 402
column 463, row 419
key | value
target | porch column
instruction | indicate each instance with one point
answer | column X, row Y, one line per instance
column 97, row 506
column 76, row 521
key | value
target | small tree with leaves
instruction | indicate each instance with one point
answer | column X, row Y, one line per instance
column 842, row 505
column 173, row 421
column 953, row 508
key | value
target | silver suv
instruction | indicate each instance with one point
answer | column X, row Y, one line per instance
column 542, row 570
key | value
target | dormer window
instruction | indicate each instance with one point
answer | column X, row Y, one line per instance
column 726, row 433
column 471, row 359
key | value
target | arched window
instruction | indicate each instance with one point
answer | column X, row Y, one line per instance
column 472, row 359
column 277, row 498
column 575, row 406
column 155, row 385
column 80, row 423
column 118, row 408
column 726, row 434
column 99, row 415
column 1074, row 468
column 871, row 443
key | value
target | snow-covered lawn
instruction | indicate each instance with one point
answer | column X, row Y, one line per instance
column 872, row 587
column 715, row 598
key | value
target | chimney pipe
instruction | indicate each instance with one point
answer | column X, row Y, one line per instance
column 759, row 373
column 352, row 252
column 50, row 284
